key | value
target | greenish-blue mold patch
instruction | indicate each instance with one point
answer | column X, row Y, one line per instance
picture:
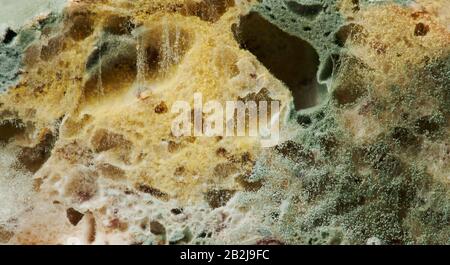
column 314, row 21
column 353, row 193
column 13, row 45
column 10, row 60
column 290, row 59
column 11, row 49
column 296, row 41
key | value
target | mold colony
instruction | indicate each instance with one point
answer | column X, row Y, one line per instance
column 85, row 124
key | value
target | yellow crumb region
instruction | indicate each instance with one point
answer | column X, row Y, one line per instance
column 213, row 64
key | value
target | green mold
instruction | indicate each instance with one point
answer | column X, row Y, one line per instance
column 313, row 21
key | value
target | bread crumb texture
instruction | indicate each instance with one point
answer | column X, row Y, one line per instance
column 87, row 155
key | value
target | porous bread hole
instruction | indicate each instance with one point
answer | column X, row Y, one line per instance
column 421, row 29
column 144, row 224
column 304, row 120
column 426, row 125
column 112, row 67
column 204, row 234
column 222, row 152
column 179, row 171
column 104, row 140
column 348, row 7
column 110, row 171
column 157, row 228
column 153, row 191
column 405, row 137
column 353, row 32
column 176, row 211
column 350, row 84
column 100, row 50
column 207, row 10
column 54, row 46
column 290, row 59
column 10, row 129
column 304, row 10
column 173, row 147
column 218, row 197
column 81, row 25
column 160, row 48
column 119, row 25
column 161, row 108
column 81, row 185
column 356, row 6
column 9, row 36
column 32, row 158
column 74, row 216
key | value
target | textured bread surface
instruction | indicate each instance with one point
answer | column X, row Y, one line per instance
column 87, row 155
